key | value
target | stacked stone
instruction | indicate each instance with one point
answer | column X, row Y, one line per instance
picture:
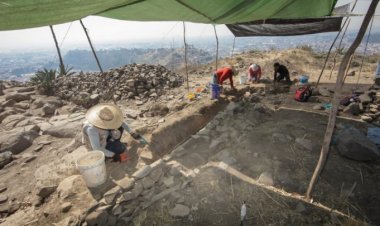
column 125, row 201
column 137, row 81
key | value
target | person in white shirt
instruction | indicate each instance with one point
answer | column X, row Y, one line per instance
column 254, row 73
column 103, row 129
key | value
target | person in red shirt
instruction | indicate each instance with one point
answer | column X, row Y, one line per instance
column 225, row 73
column 254, row 73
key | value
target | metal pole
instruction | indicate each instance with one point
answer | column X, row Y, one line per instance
column 233, row 47
column 61, row 65
column 92, row 47
column 184, row 42
column 217, row 48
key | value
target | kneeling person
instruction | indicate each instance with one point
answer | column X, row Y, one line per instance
column 254, row 73
column 280, row 73
column 103, row 129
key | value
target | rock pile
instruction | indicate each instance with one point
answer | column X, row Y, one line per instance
column 137, row 81
column 364, row 104
column 151, row 183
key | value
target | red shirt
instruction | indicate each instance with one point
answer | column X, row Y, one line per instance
column 223, row 74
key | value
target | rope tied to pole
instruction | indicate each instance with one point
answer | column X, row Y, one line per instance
column 365, row 51
column 91, row 45
column 332, row 45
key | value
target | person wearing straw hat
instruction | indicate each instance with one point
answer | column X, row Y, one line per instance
column 103, row 129
column 254, row 73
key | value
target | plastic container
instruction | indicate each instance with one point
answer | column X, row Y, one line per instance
column 303, row 79
column 93, row 168
column 242, row 79
column 215, row 91
column 191, row 96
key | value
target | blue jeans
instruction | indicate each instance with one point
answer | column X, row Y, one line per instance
column 116, row 146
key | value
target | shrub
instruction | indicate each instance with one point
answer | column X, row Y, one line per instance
column 67, row 71
column 44, row 80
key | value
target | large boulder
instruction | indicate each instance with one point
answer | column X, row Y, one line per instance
column 17, row 97
column 179, row 211
column 17, row 142
column 8, row 103
column 158, row 109
column 12, row 120
column 71, row 186
column 5, row 158
column 49, row 100
column 353, row 108
column 5, row 114
column 353, row 144
column 26, row 89
column 366, row 97
column 49, row 176
column 64, row 129
column 23, row 105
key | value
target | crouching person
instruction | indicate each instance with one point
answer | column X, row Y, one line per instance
column 103, row 129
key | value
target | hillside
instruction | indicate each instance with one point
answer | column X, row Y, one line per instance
column 111, row 58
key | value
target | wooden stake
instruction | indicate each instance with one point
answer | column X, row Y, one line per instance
column 61, row 65
column 217, row 48
column 92, row 47
column 335, row 101
column 184, row 42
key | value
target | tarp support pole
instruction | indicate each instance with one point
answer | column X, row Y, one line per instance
column 365, row 52
column 338, row 48
column 217, row 48
column 335, row 101
column 92, row 47
column 184, row 42
column 61, row 65
column 332, row 45
column 233, row 47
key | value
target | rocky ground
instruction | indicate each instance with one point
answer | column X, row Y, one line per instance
column 257, row 150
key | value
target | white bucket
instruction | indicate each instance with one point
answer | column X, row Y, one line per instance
column 242, row 79
column 93, row 168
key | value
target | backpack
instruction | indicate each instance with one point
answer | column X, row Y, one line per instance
column 303, row 93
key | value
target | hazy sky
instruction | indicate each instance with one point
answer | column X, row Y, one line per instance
column 104, row 30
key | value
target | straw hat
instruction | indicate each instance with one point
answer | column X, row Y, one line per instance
column 105, row 116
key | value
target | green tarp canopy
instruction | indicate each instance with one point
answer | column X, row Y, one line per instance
column 20, row 14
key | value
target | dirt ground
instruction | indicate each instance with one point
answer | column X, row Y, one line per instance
column 226, row 158
column 231, row 152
